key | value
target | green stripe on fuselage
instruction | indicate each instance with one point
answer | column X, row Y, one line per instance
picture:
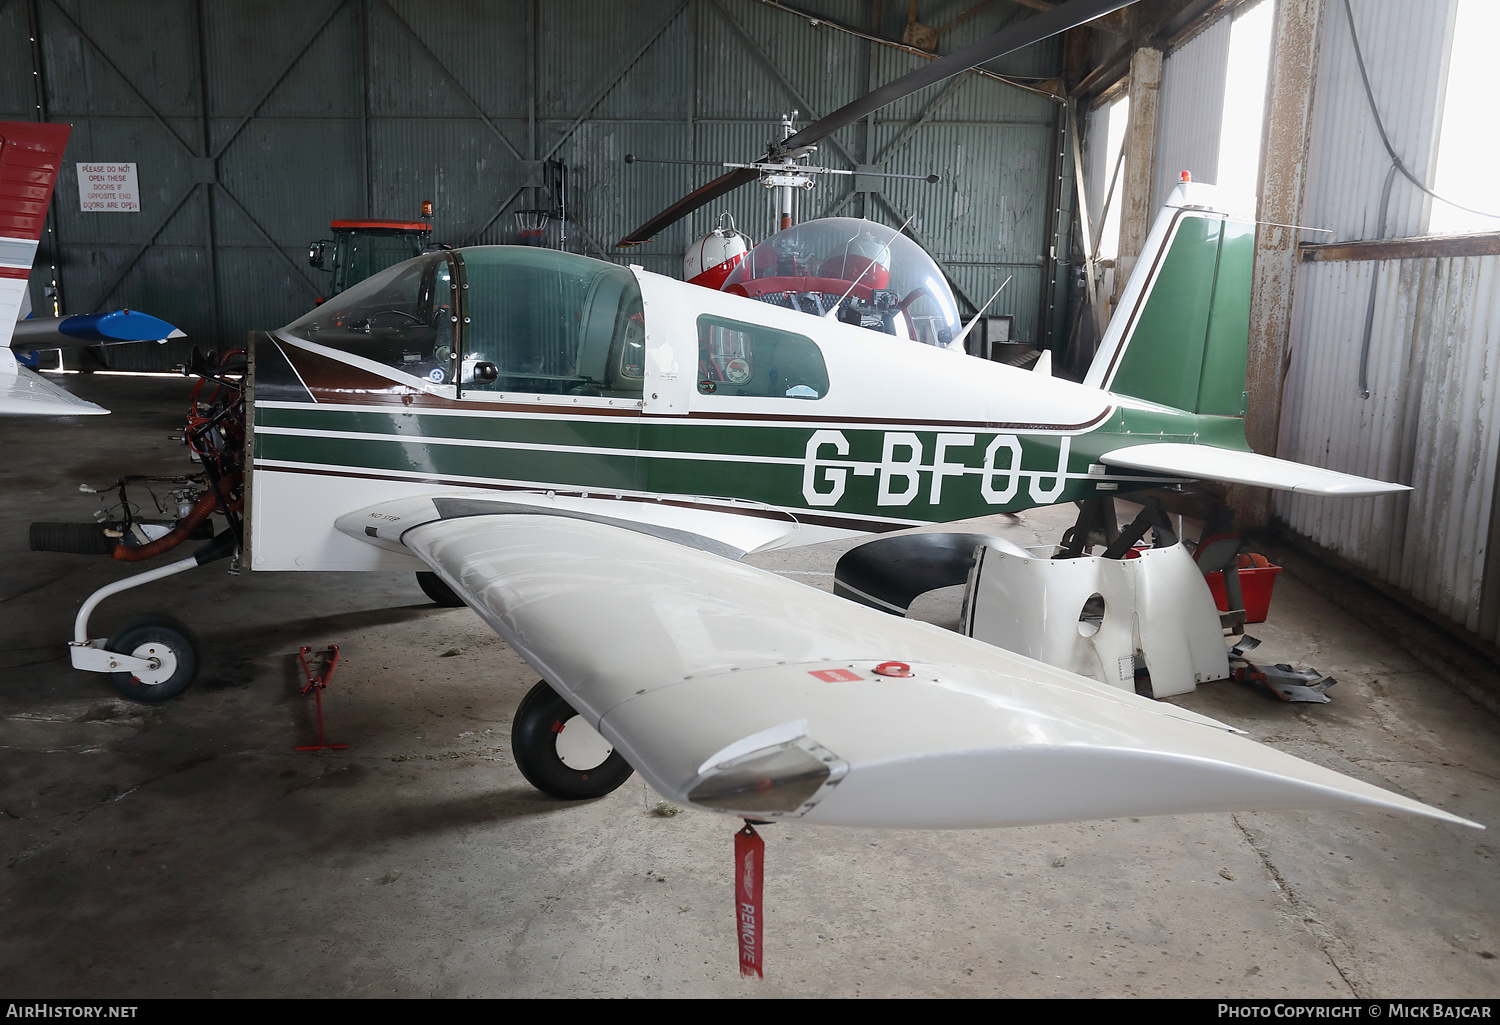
column 616, row 432
column 885, row 472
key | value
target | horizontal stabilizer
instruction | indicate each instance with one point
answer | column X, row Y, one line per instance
column 740, row 691
column 23, row 392
column 1204, row 462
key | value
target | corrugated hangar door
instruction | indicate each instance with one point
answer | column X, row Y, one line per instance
column 253, row 123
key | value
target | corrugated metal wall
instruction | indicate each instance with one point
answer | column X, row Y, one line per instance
column 255, row 122
column 1191, row 111
column 1431, row 417
column 1432, row 421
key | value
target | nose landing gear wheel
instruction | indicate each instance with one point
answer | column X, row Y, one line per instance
column 559, row 753
column 168, row 645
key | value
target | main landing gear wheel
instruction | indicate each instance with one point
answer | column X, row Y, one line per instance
column 559, row 753
column 168, row 645
column 432, row 585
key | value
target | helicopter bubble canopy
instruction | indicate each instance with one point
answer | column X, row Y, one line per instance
column 892, row 285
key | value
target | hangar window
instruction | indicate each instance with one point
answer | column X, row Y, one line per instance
column 401, row 317
column 550, row 322
column 1468, row 148
column 735, row 358
column 1117, row 116
column 1244, row 110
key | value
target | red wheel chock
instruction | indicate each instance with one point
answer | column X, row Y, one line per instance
column 317, row 674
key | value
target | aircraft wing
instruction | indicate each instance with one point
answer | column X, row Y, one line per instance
column 1205, row 462
column 733, row 689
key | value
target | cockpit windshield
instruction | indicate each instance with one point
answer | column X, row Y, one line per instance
column 535, row 320
column 402, row 317
column 891, row 284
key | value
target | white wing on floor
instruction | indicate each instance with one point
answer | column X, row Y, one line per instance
column 738, row 690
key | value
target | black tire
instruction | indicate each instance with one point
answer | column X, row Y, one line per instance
column 432, row 585
column 539, row 724
column 156, row 637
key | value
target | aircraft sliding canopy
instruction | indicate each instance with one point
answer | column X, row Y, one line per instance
column 548, row 322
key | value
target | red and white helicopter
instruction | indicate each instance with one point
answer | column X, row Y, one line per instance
column 582, row 452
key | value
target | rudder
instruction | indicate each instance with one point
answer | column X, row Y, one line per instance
column 1180, row 334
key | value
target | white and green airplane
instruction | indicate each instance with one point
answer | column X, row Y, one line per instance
column 582, row 453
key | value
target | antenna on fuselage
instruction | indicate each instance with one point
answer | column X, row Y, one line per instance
column 959, row 341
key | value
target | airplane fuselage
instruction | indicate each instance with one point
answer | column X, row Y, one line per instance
column 890, row 434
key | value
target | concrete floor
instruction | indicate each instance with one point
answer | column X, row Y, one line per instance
column 187, row 850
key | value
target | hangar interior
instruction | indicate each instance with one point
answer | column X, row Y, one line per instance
column 185, row 848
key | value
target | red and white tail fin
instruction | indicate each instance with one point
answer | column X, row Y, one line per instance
column 30, row 158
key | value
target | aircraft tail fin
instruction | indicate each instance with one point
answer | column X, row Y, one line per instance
column 1180, row 333
column 30, row 158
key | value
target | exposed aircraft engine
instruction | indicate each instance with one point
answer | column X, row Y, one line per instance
column 184, row 506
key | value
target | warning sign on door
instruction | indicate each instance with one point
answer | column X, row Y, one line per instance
column 108, row 188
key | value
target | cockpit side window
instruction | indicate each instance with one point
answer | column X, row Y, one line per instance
column 736, row 358
column 401, row 317
column 552, row 323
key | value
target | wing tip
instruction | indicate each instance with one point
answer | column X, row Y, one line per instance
column 1361, row 490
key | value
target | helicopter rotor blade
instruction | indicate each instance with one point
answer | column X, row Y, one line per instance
column 1033, row 30
column 700, row 196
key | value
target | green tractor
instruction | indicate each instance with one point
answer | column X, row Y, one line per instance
column 361, row 248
